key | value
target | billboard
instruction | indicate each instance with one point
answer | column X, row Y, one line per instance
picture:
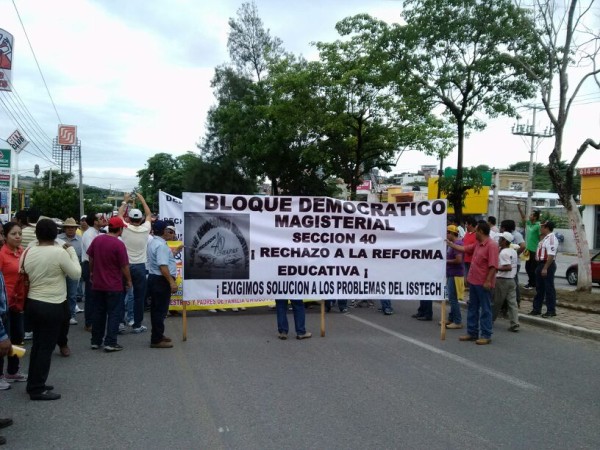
column 6, row 56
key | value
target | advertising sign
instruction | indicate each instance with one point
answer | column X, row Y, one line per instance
column 67, row 135
column 6, row 55
column 17, row 141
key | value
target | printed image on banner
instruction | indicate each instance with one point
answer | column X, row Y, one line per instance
column 219, row 246
column 255, row 247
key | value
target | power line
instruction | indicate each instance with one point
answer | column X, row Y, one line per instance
column 36, row 61
column 37, row 125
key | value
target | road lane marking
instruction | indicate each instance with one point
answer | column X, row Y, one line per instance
column 459, row 359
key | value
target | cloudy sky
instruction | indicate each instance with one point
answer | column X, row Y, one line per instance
column 134, row 77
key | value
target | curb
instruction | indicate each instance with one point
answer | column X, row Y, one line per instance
column 560, row 327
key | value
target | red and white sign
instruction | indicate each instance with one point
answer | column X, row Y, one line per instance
column 365, row 186
column 67, row 135
column 6, row 55
column 589, row 171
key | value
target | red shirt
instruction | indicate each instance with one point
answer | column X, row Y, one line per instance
column 469, row 239
column 109, row 257
column 485, row 255
column 9, row 266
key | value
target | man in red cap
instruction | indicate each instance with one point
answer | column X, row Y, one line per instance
column 109, row 264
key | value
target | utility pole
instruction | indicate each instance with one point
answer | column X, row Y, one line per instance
column 529, row 130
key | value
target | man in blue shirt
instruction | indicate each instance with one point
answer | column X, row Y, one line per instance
column 162, row 273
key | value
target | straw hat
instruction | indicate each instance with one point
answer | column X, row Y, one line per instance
column 70, row 222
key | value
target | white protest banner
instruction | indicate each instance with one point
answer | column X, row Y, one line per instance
column 312, row 248
column 169, row 208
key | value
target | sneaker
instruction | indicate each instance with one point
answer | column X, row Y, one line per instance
column 483, row 341
column 234, row 309
column 467, row 337
column 28, row 335
column 388, row 311
column 212, row 310
column 130, row 323
column 73, row 321
column 527, row 286
column 448, row 322
column 17, row 377
column 242, row 309
column 282, row 336
column 78, row 310
column 122, row 328
column 514, row 328
column 139, row 329
column 547, row 315
column 222, row 310
column 306, row 335
column 344, row 311
column 162, row 344
column 95, row 347
column 4, row 385
column 113, row 348
column 534, row 313
column 454, row 326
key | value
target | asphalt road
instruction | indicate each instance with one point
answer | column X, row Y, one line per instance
column 374, row 382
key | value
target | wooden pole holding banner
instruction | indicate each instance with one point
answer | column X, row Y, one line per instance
column 322, row 318
column 443, row 321
column 184, row 321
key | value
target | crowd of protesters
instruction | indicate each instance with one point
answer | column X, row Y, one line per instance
column 117, row 263
column 98, row 258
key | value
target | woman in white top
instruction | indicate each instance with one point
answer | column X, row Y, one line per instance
column 46, row 264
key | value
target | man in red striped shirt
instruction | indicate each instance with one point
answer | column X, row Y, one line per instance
column 544, row 272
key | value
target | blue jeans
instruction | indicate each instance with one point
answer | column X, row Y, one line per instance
column 455, row 315
column 479, row 314
column 386, row 305
column 89, row 296
column 108, row 310
column 299, row 316
column 128, row 305
column 138, row 281
column 160, row 298
column 545, row 289
column 72, row 294
column 425, row 309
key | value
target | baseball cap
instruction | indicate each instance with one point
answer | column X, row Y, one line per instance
column 135, row 214
column 116, row 222
column 159, row 227
column 507, row 236
column 172, row 228
column 452, row 229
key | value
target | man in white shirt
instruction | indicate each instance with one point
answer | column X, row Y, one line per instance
column 505, row 281
column 135, row 237
column 95, row 222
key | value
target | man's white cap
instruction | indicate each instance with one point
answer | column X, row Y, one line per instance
column 507, row 236
column 135, row 214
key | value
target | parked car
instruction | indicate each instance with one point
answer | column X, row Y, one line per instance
column 572, row 271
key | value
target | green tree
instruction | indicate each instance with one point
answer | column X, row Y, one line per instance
column 164, row 172
column 365, row 121
column 61, row 200
column 571, row 47
column 452, row 51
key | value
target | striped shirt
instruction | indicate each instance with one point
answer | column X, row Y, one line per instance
column 548, row 246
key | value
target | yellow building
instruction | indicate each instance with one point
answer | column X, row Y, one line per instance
column 590, row 198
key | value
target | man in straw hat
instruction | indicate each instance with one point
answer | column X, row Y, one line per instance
column 70, row 236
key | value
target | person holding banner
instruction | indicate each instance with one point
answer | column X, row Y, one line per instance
column 299, row 319
column 482, row 279
column 162, row 274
